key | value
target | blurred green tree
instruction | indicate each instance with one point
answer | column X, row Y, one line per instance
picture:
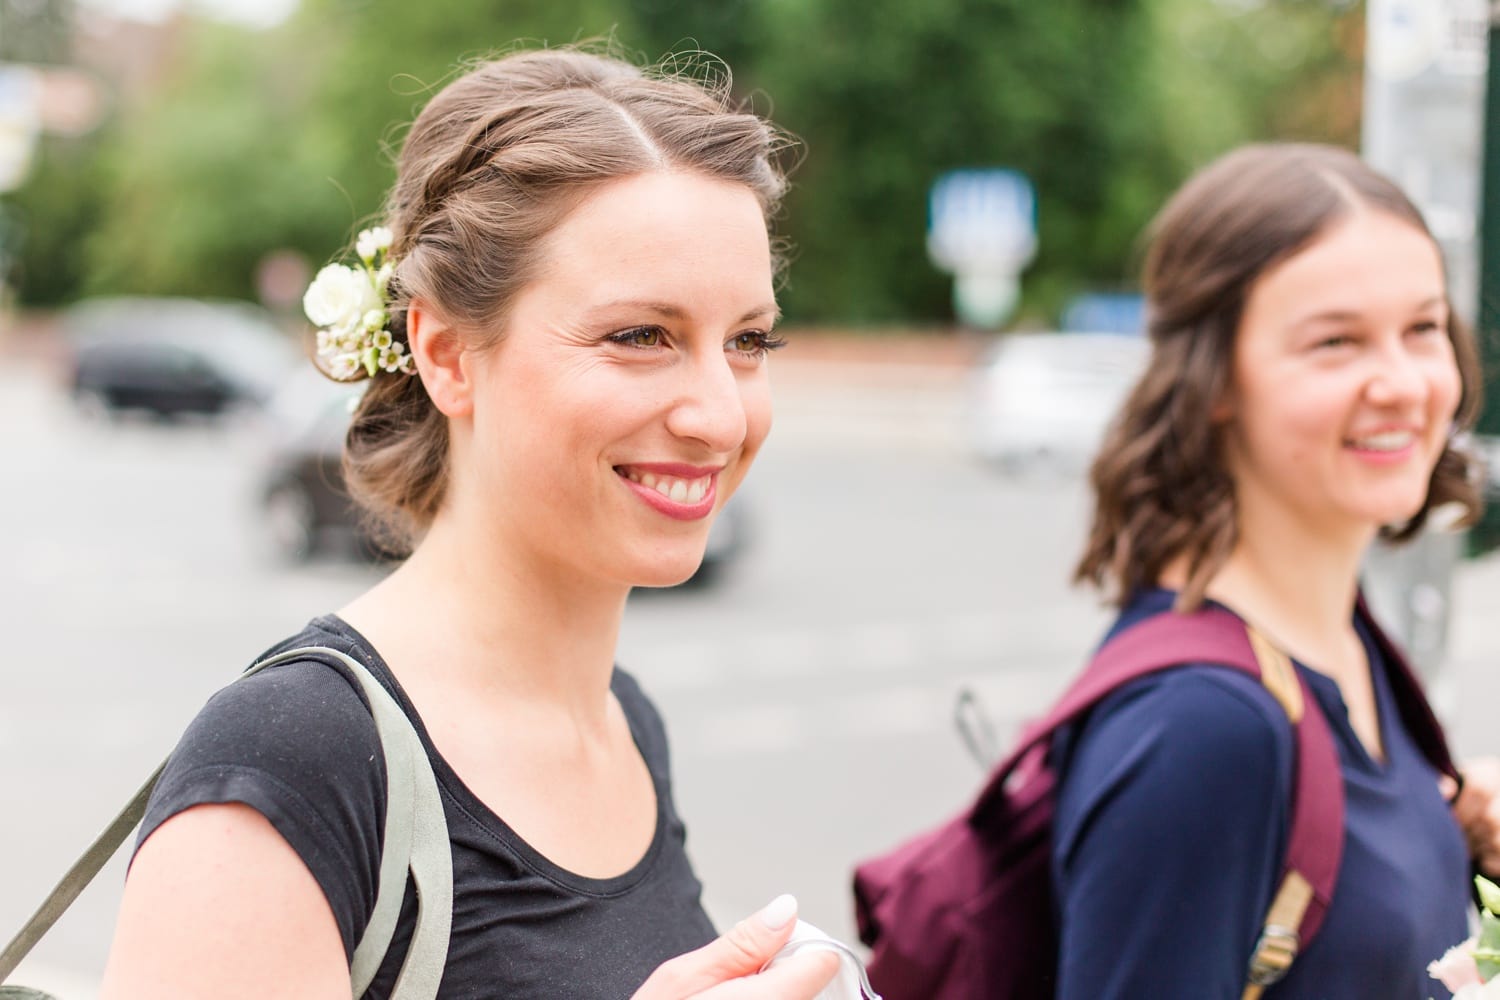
column 259, row 140
column 35, row 31
column 50, row 217
column 215, row 169
column 391, row 56
column 890, row 94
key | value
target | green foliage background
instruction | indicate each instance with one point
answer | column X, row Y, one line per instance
column 251, row 141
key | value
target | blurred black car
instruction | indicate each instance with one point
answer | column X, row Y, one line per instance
column 306, row 510
column 174, row 356
column 304, row 505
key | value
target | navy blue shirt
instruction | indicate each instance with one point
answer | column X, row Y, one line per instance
column 1172, row 824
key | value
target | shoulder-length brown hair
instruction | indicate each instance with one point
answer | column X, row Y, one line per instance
column 1161, row 486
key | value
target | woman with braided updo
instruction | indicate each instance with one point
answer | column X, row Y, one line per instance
column 564, row 321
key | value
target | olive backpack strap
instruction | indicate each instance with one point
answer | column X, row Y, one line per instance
column 415, row 840
column 1315, row 840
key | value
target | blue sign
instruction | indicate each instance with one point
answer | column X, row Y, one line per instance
column 982, row 220
column 1105, row 312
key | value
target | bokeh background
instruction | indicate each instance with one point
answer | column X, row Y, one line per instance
column 908, row 533
column 221, row 143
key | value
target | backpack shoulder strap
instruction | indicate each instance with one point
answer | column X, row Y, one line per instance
column 415, row 838
column 78, row 876
column 1315, row 839
column 1416, row 712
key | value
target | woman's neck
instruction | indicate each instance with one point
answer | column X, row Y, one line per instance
column 473, row 615
column 1294, row 579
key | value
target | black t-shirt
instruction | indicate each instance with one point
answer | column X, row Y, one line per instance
column 297, row 743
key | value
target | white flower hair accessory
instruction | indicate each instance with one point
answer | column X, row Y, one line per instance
column 348, row 305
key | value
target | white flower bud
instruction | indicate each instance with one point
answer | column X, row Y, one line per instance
column 371, row 242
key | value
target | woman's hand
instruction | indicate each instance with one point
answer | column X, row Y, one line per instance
column 1477, row 810
column 729, row 967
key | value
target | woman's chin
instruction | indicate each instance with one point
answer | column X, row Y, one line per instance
column 668, row 573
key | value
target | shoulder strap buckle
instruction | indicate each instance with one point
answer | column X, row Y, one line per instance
column 1274, row 954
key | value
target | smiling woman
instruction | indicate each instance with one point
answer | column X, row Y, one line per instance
column 643, row 373
column 1306, row 385
column 565, row 325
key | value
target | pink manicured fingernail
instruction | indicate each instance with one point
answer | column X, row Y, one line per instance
column 779, row 911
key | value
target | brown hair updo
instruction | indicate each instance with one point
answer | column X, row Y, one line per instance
column 1161, row 486
column 490, row 167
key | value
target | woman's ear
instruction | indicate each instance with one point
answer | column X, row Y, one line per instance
column 440, row 356
column 1222, row 412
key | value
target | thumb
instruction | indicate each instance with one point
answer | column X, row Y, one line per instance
column 743, row 951
column 1447, row 787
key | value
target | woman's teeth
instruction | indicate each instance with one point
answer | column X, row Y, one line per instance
column 1388, row 441
column 676, row 490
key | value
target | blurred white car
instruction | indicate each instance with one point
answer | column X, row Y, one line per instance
column 1043, row 400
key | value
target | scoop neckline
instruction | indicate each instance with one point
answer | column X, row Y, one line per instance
column 1329, row 689
column 490, row 822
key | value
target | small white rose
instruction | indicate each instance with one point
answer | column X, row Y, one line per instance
column 372, row 241
column 339, row 296
column 374, row 320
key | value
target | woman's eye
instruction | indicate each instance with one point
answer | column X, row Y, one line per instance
column 1334, row 341
column 1425, row 327
column 756, row 343
column 641, row 336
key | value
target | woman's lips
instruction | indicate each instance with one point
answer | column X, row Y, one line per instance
column 682, row 492
column 1387, row 446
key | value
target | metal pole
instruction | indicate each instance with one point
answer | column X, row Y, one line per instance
column 1485, row 535
column 1489, row 235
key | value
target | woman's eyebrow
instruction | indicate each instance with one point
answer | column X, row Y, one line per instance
column 1346, row 315
column 668, row 310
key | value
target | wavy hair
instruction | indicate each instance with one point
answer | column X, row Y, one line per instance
column 1162, row 488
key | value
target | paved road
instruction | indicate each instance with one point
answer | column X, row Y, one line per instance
column 808, row 693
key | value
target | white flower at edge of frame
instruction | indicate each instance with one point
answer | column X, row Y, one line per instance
column 1489, row 991
column 372, row 241
column 339, row 297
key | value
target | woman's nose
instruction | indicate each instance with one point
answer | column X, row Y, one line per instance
column 709, row 406
column 1399, row 378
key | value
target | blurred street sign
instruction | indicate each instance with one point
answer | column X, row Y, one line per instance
column 1465, row 45
column 36, row 99
column 1106, row 312
column 1408, row 37
column 982, row 230
column 1424, row 120
column 20, row 123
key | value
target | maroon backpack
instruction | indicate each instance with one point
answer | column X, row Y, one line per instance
column 964, row 912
